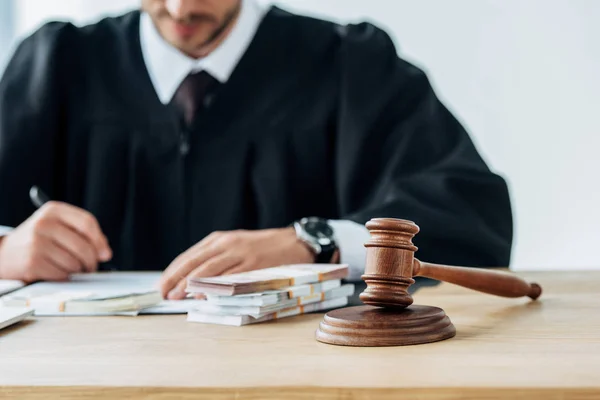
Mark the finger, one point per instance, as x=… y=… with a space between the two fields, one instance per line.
x=83 y=222
x=243 y=267
x=184 y=264
x=210 y=239
x=48 y=271
x=212 y=267
x=74 y=243
x=217 y=265
x=62 y=258
x=178 y=292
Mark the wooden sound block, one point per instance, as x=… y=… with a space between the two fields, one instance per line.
x=375 y=326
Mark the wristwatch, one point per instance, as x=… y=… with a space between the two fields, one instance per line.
x=319 y=236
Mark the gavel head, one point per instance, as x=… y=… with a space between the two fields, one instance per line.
x=389 y=265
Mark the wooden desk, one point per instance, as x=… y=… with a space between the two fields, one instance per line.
x=504 y=348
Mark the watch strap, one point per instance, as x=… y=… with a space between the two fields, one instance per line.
x=323 y=254
x=326 y=255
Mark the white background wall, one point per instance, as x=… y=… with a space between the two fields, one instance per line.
x=524 y=77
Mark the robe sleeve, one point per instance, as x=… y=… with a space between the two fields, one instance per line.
x=401 y=154
x=31 y=114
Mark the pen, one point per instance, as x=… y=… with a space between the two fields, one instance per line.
x=38 y=197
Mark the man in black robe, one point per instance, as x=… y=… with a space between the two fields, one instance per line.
x=191 y=136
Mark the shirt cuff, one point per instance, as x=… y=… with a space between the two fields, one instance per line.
x=351 y=238
x=5 y=230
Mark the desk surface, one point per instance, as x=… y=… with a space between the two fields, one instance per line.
x=504 y=348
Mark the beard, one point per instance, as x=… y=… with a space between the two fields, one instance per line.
x=229 y=18
x=227 y=21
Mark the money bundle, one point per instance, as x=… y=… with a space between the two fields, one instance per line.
x=268 y=294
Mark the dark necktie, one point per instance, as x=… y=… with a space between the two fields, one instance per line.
x=192 y=94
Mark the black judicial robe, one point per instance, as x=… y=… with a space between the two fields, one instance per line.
x=316 y=120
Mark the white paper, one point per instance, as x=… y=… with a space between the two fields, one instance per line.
x=7 y=286
x=172 y=307
x=10 y=316
x=103 y=285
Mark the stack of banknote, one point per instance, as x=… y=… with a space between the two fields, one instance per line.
x=269 y=294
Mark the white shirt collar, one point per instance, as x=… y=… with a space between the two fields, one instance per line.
x=168 y=67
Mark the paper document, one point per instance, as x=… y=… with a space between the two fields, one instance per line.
x=110 y=293
x=7 y=286
x=10 y=316
x=172 y=307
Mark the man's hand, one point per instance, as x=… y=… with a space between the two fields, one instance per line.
x=55 y=242
x=223 y=253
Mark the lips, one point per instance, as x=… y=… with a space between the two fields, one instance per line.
x=184 y=30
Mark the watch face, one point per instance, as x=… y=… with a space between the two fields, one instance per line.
x=318 y=229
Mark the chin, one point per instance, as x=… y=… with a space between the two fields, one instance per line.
x=189 y=46
x=179 y=40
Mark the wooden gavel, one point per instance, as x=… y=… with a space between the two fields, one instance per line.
x=391 y=267
x=389 y=318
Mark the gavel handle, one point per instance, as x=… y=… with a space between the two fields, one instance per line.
x=483 y=280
